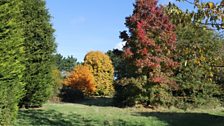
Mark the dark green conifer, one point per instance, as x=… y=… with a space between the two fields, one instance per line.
x=39 y=49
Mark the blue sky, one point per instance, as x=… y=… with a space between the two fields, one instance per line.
x=86 y=25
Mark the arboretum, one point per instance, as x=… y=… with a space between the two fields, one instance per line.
x=169 y=72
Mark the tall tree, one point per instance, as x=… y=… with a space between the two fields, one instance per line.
x=151 y=42
x=39 y=49
x=11 y=59
x=150 y=46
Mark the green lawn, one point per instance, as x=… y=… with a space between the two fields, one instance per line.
x=93 y=114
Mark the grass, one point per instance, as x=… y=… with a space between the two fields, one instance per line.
x=100 y=113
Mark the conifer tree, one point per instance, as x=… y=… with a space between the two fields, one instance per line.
x=11 y=60
x=39 y=49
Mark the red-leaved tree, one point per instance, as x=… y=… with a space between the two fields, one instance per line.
x=149 y=50
x=150 y=42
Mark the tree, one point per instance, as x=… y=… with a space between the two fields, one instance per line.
x=11 y=60
x=150 y=46
x=103 y=72
x=205 y=13
x=65 y=63
x=198 y=53
x=82 y=79
x=39 y=48
x=57 y=83
x=121 y=68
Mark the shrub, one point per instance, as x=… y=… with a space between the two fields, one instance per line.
x=128 y=91
x=82 y=79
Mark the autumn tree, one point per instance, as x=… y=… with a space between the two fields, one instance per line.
x=150 y=45
x=103 y=72
x=82 y=79
x=205 y=14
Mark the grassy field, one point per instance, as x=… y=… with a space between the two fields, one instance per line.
x=100 y=113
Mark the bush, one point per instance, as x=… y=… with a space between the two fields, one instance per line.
x=68 y=94
x=82 y=79
x=128 y=91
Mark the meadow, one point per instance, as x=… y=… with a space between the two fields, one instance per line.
x=99 y=112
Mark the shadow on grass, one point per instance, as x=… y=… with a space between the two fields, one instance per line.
x=186 y=119
x=51 y=118
x=69 y=95
x=97 y=101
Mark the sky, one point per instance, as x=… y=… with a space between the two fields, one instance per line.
x=89 y=25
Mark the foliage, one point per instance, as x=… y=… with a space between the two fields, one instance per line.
x=150 y=46
x=103 y=71
x=204 y=13
x=198 y=54
x=121 y=66
x=151 y=42
x=39 y=48
x=65 y=63
x=81 y=78
x=57 y=84
x=70 y=95
x=11 y=60
x=128 y=91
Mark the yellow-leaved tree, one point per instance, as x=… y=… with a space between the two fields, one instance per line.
x=81 y=78
x=103 y=72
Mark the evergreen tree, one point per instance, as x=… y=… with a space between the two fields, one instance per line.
x=39 y=49
x=11 y=58
x=122 y=68
x=65 y=63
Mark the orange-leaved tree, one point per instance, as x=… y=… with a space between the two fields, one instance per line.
x=81 y=78
x=103 y=71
